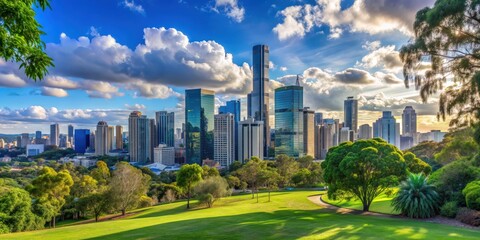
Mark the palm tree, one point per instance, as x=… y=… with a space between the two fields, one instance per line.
x=416 y=198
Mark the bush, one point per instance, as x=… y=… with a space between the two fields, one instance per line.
x=207 y=199
x=468 y=216
x=449 y=209
x=145 y=201
x=472 y=195
x=216 y=187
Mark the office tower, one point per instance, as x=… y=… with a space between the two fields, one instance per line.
x=139 y=139
x=345 y=134
x=318 y=118
x=164 y=155
x=406 y=142
x=2 y=143
x=101 y=139
x=224 y=139
x=38 y=137
x=350 y=108
x=326 y=135
x=166 y=127
x=289 y=121
x=409 y=122
x=110 y=138
x=153 y=136
x=24 y=140
x=70 y=134
x=258 y=99
x=82 y=140
x=63 y=141
x=54 y=134
x=387 y=128
x=119 y=137
x=199 y=111
x=34 y=149
x=92 y=141
x=365 y=131
x=250 y=139
x=308 y=132
x=234 y=108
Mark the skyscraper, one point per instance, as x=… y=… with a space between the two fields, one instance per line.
x=110 y=138
x=365 y=131
x=318 y=118
x=139 y=139
x=101 y=138
x=199 y=123
x=24 y=140
x=38 y=135
x=258 y=99
x=224 y=139
x=92 y=140
x=350 y=108
x=409 y=122
x=387 y=128
x=153 y=136
x=166 y=128
x=289 y=121
x=308 y=132
x=234 y=108
x=119 y=137
x=54 y=134
x=82 y=140
x=70 y=134
x=250 y=139
x=326 y=137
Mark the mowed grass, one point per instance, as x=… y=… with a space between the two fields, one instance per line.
x=290 y=215
x=381 y=204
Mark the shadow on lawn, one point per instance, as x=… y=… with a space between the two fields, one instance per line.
x=281 y=224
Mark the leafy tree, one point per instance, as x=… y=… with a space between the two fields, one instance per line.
x=15 y=211
x=235 y=166
x=187 y=177
x=269 y=178
x=286 y=167
x=20 y=36
x=472 y=195
x=448 y=35
x=49 y=190
x=251 y=173
x=365 y=168
x=305 y=162
x=162 y=190
x=416 y=165
x=209 y=172
x=212 y=189
x=97 y=203
x=101 y=173
x=233 y=181
x=416 y=198
x=302 y=177
x=459 y=144
x=127 y=186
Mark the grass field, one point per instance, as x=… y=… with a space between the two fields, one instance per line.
x=290 y=215
x=381 y=204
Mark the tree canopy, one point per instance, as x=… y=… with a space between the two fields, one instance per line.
x=187 y=177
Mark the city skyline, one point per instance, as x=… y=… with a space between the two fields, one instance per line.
x=346 y=60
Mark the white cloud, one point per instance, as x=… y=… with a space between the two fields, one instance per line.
x=133 y=7
x=54 y=92
x=231 y=9
x=11 y=80
x=283 y=69
x=384 y=57
x=135 y=107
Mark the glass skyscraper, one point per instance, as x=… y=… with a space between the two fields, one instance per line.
x=258 y=99
x=139 y=138
x=289 y=121
x=82 y=140
x=199 y=121
x=350 y=108
x=166 y=128
x=233 y=107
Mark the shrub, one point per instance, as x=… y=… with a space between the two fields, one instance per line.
x=216 y=187
x=472 y=195
x=145 y=201
x=416 y=198
x=449 y=209
x=207 y=199
x=468 y=216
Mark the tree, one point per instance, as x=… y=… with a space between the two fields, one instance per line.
x=209 y=172
x=448 y=34
x=472 y=195
x=212 y=189
x=302 y=177
x=187 y=177
x=20 y=36
x=49 y=190
x=416 y=198
x=416 y=165
x=286 y=167
x=101 y=173
x=15 y=211
x=251 y=173
x=458 y=144
x=269 y=178
x=127 y=186
x=235 y=166
x=97 y=203
x=365 y=168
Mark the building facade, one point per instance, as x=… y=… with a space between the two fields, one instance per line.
x=350 y=108
x=387 y=128
x=55 y=135
x=365 y=131
x=409 y=122
x=139 y=139
x=233 y=107
x=309 y=132
x=118 y=137
x=224 y=139
x=82 y=140
x=164 y=155
x=250 y=139
x=101 y=139
x=166 y=127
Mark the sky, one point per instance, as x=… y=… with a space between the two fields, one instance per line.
x=115 y=56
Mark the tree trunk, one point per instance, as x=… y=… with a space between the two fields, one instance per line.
x=366 y=207
x=253 y=193
x=53 y=221
x=269 y=195
x=124 y=211
x=257 y=195
x=96 y=217
x=188 y=199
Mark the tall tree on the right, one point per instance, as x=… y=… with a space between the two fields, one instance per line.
x=445 y=56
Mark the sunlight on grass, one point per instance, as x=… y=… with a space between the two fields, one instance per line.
x=381 y=204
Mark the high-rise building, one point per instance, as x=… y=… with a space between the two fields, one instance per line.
x=166 y=127
x=308 y=132
x=224 y=139
x=82 y=140
x=326 y=137
x=409 y=122
x=2 y=143
x=387 y=128
x=101 y=139
x=119 y=137
x=350 y=108
x=258 y=99
x=318 y=118
x=153 y=136
x=92 y=141
x=234 y=108
x=199 y=121
x=164 y=155
x=110 y=138
x=250 y=139
x=139 y=139
x=345 y=133
x=70 y=134
x=38 y=135
x=24 y=140
x=55 y=135
x=289 y=121
x=365 y=131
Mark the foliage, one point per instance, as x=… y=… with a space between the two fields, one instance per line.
x=56 y=154
x=468 y=216
x=302 y=177
x=212 y=189
x=251 y=173
x=472 y=195
x=164 y=192
x=449 y=209
x=101 y=173
x=145 y=201
x=97 y=203
x=127 y=186
x=15 y=211
x=209 y=172
x=416 y=198
x=365 y=168
x=269 y=178
x=187 y=177
x=235 y=166
x=286 y=167
x=448 y=35
x=416 y=165
x=458 y=144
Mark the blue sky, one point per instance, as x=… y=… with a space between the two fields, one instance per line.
x=113 y=57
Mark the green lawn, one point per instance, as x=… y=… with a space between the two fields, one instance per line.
x=290 y=215
x=381 y=204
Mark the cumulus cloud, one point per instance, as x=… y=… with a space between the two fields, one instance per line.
x=11 y=80
x=54 y=92
x=369 y=16
x=384 y=57
x=381 y=102
x=147 y=90
x=135 y=107
x=131 y=5
x=231 y=9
